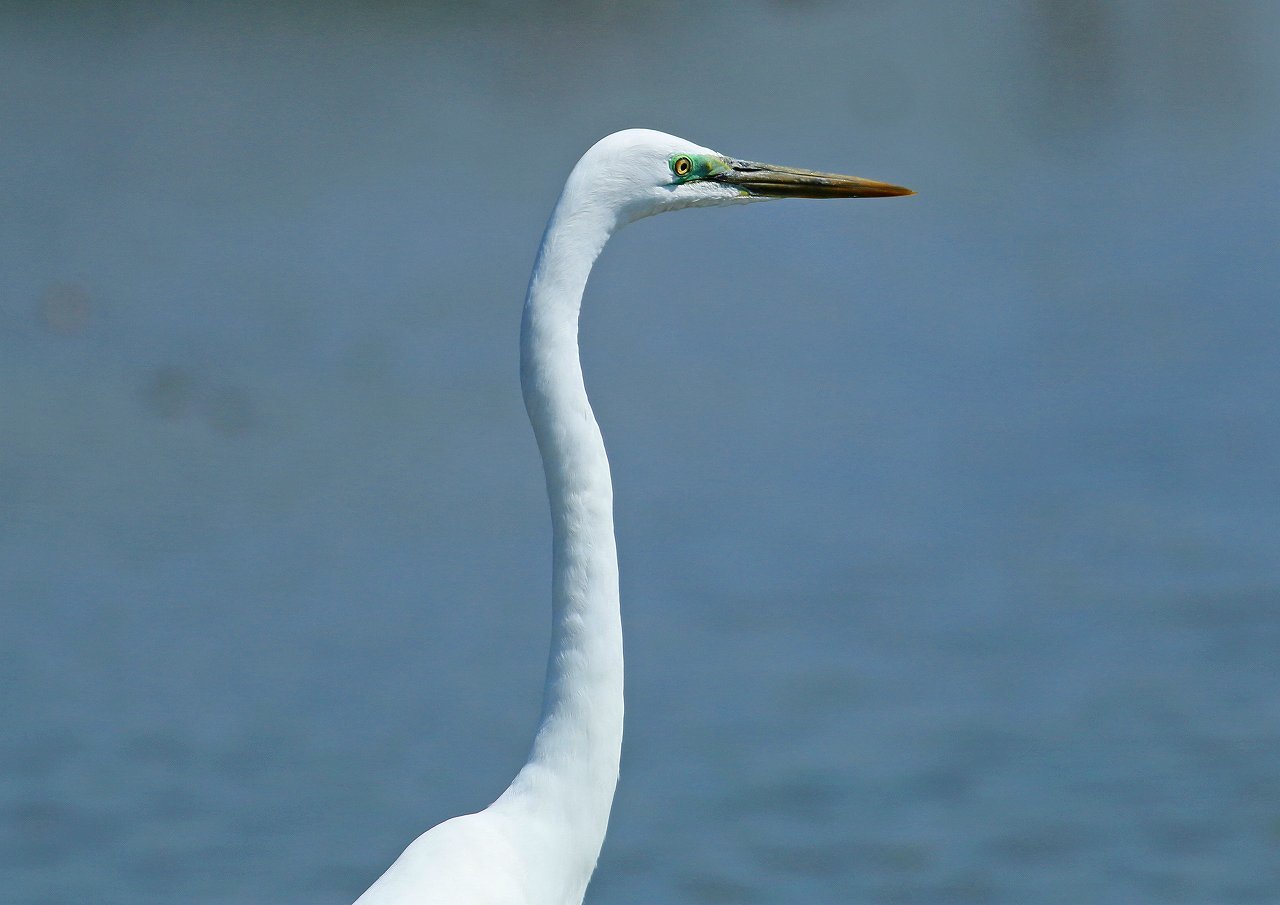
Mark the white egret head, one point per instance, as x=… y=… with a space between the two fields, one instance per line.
x=639 y=172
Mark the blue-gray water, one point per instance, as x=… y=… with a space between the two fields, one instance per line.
x=949 y=526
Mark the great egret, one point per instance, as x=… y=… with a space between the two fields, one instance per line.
x=538 y=843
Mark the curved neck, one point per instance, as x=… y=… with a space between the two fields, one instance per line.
x=572 y=771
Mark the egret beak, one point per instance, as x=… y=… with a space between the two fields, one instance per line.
x=785 y=182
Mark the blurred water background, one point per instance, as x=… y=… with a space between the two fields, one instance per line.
x=949 y=526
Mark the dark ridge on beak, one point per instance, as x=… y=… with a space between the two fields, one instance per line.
x=772 y=181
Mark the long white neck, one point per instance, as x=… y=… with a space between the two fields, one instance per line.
x=568 y=784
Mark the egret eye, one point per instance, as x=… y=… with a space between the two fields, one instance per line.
x=682 y=166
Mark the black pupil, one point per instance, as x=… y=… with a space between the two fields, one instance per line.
x=682 y=165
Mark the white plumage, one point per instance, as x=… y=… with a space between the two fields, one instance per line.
x=538 y=843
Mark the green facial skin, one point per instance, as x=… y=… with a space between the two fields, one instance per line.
x=703 y=166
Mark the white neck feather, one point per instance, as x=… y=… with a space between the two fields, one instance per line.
x=567 y=786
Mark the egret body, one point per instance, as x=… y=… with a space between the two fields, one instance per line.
x=538 y=843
